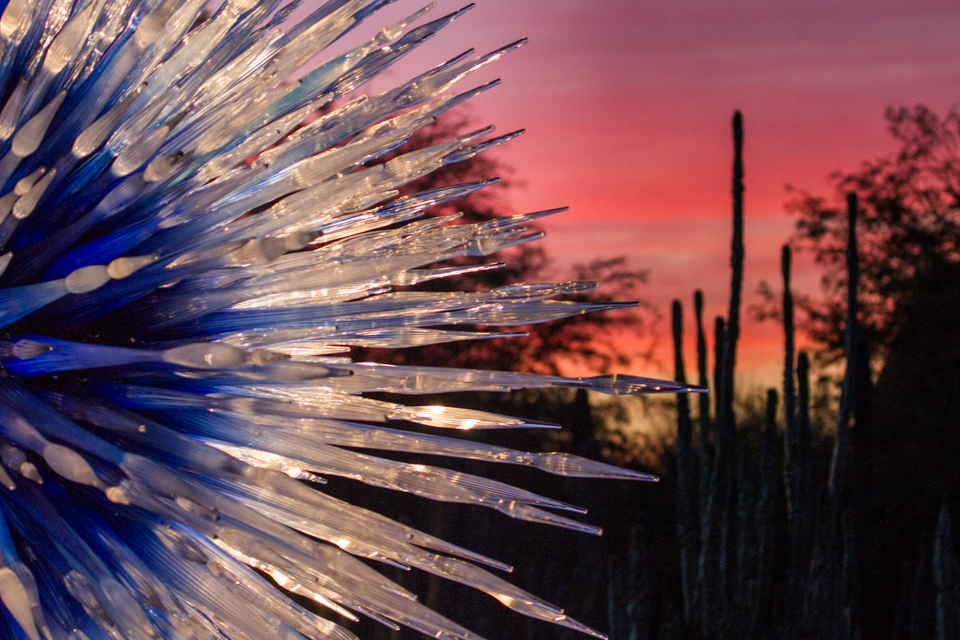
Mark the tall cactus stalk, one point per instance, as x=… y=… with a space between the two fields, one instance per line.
x=945 y=578
x=719 y=340
x=848 y=613
x=841 y=449
x=834 y=591
x=789 y=394
x=618 y=623
x=736 y=278
x=718 y=552
x=687 y=528
x=802 y=460
x=727 y=361
x=706 y=437
x=766 y=518
x=796 y=476
x=640 y=608
x=706 y=440
x=727 y=434
x=706 y=450
x=872 y=575
x=801 y=515
x=744 y=538
x=711 y=571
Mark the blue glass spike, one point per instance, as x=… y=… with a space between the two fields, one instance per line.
x=282 y=14
x=89 y=98
x=60 y=610
x=176 y=448
x=39 y=355
x=82 y=309
x=17 y=302
x=55 y=425
x=103 y=249
x=316 y=16
x=32 y=259
x=117 y=606
x=7 y=548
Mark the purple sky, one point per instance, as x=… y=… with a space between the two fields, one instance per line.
x=627 y=105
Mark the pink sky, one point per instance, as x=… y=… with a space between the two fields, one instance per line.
x=627 y=106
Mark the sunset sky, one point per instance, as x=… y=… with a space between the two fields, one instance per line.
x=627 y=106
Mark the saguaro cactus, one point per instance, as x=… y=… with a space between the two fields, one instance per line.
x=686 y=479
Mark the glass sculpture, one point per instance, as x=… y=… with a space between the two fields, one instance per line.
x=158 y=186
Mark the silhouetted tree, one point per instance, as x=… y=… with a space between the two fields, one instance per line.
x=908 y=227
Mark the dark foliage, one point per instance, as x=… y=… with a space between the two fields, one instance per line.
x=908 y=227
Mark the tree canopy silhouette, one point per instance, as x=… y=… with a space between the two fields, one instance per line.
x=908 y=227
